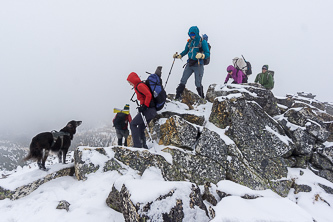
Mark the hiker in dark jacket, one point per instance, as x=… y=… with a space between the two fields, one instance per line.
x=194 y=63
x=237 y=74
x=120 y=122
x=146 y=108
x=265 y=78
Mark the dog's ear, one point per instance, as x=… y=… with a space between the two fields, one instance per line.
x=69 y=125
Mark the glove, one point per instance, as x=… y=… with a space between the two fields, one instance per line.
x=200 y=55
x=177 y=56
x=142 y=108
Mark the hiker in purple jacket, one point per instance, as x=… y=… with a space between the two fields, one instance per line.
x=237 y=75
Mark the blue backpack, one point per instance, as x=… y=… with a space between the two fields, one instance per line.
x=154 y=83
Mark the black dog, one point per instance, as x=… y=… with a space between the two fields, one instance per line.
x=52 y=141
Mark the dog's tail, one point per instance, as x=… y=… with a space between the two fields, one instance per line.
x=27 y=157
x=32 y=152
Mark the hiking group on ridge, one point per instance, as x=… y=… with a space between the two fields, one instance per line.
x=151 y=95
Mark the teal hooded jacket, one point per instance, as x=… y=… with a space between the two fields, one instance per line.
x=192 y=46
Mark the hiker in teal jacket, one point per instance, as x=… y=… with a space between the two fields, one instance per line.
x=265 y=78
x=195 y=62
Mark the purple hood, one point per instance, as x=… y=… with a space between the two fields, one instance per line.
x=238 y=77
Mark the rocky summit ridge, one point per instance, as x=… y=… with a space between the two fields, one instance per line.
x=238 y=133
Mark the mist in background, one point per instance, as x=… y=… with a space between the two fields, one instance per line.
x=63 y=59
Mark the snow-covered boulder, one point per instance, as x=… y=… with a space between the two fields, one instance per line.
x=250 y=92
x=89 y=159
x=167 y=201
x=185 y=166
x=260 y=142
x=18 y=186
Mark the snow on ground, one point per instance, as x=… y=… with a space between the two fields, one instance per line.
x=87 y=198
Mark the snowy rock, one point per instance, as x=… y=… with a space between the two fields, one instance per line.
x=192 y=99
x=63 y=204
x=301 y=188
x=85 y=165
x=287 y=101
x=317 y=131
x=212 y=146
x=250 y=92
x=322 y=163
x=5 y=193
x=172 y=204
x=208 y=196
x=260 y=142
x=26 y=189
x=304 y=142
x=198 y=169
x=329 y=108
x=176 y=131
x=81 y=166
x=327 y=189
x=197 y=120
x=185 y=166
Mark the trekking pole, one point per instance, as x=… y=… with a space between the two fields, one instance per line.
x=136 y=101
x=147 y=127
x=170 y=71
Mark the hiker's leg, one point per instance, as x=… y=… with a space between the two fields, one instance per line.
x=186 y=74
x=198 y=74
x=120 y=137
x=136 y=126
x=126 y=133
x=149 y=114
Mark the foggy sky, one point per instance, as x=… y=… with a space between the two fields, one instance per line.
x=64 y=59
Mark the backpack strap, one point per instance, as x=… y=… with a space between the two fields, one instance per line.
x=136 y=87
x=199 y=46
x=151 y=103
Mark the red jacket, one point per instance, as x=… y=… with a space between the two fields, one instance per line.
x=144 y=95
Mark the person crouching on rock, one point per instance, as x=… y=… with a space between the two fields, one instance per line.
x=146 y=108
x=236 y=74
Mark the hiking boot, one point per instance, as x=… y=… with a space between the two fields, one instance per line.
x=200 y=92
x=179 y=91
x=120 y=142
x=179 y=99
x=144 y=144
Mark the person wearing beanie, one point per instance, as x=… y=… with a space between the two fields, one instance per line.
x=126 y=107
x=146 y=108
x=265 y=78
x=237 y=75
x=120 y=122
x=195 y=62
